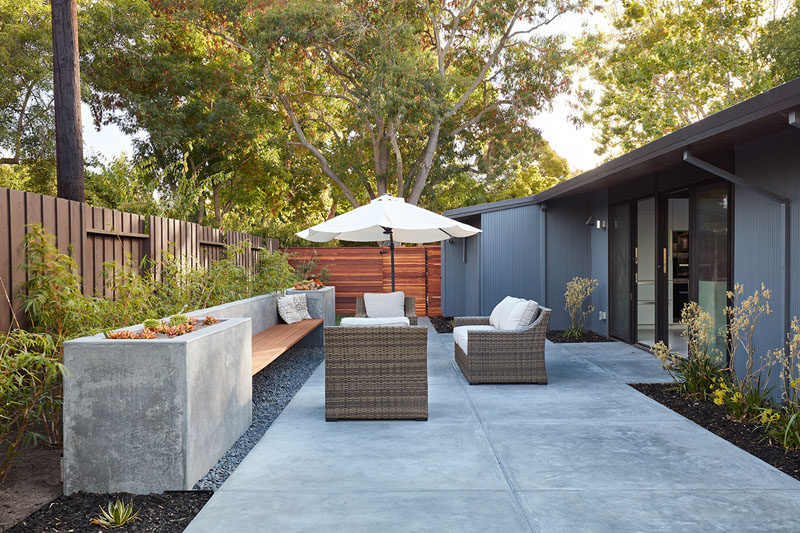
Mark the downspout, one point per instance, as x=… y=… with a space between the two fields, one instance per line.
x=543 y=255
x=785 y=204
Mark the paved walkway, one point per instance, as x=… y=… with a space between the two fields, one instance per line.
x=583 y=453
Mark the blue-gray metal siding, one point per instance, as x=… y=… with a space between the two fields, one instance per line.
x=599 y=264
x=772 y=163
x=568 y=251
x=511 y=255
x=460 y=278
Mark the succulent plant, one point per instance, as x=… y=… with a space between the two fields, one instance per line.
x=178 y=320
x=152 y=323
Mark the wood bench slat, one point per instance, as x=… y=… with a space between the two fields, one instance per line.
x=269 y=344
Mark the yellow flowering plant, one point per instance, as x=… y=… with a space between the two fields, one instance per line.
x=785 y=426
x=578 y=290
x=695 y=374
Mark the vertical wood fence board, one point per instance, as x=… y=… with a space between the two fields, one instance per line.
x=93 y=236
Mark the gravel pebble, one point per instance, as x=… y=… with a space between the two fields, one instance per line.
x=273 y=389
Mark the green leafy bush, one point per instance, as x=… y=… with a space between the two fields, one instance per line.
x=30 y=393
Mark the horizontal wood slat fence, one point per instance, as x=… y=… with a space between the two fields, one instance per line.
x=93 y=236
x=355 y=271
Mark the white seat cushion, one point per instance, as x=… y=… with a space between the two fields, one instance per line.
x=353 y=321
x=293 y=308
x=460 y=334
x=501 y=310
x=384 y=304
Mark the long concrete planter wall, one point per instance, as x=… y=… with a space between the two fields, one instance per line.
x=146 y=416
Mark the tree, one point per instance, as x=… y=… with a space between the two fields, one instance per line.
x=668 y=63
x=26 y=61
x=373 y=89
x=779 y=46
x=67 y=100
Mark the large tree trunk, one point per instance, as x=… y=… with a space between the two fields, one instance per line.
x=67 y=99
x=380 y=153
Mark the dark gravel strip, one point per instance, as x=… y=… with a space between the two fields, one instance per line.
x=273 y=389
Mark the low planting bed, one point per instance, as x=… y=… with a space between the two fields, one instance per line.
x=558 y=336
x=750 y=437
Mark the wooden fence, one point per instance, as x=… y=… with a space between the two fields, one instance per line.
x=355 y=271
x=93 y=236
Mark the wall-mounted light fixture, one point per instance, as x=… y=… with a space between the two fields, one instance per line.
x=600 y=224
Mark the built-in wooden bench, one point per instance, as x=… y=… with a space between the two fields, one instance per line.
x=272 y=342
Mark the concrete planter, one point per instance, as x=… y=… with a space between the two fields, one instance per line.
x=146 y=416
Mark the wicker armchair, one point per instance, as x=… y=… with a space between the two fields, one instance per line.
x=504 y=356
x=410 y=309
x=376 y=373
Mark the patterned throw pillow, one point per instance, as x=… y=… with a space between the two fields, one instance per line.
x=293 y=308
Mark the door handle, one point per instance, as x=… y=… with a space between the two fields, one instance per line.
x=664 y=260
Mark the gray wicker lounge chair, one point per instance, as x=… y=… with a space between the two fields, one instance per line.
x=504 y=356
x=376 y=373
x=410 y=309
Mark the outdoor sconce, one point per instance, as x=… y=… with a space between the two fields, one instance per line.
x=600 y=224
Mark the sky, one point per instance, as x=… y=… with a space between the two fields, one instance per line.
x=572 y=143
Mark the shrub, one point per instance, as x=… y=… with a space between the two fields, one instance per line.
x=153 y=323
x=578 y=290
x=116 y=514
x=784 y=426
x=696 y=374
x=30 y=393
x=52 y=297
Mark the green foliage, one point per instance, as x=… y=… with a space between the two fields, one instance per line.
x=308 y=270
x=116 y=514
x=52 y=296
x=779 y=46
x=178 y=320
x=152 y=323
x=783 y=426
x=393 y=96
x=273 y=272
x=30 y=393
x=26 y=113
x=664 y=65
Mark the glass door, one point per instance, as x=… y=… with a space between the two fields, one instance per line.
x=710 y=265
x=646 y=269
x=620 y=293
x=677 y=241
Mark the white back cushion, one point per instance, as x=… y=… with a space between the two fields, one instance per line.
x=519 y=316
x=501 y=310
x=529 y=314
x=384 y=304
x=356 y=321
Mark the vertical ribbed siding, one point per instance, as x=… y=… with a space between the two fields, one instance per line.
x=599 y=259
x=511 y=255
x=568 y=251
x=460 y=277
x=772 y=163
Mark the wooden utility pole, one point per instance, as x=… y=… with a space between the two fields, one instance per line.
x=67 y=100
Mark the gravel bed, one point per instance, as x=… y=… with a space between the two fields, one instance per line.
x=273 y=389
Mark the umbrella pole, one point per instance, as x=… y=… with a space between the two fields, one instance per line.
x=391 y=248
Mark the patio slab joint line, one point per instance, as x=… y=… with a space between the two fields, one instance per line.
x=485 y=432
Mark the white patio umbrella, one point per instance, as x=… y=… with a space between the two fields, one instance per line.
x=388 y=218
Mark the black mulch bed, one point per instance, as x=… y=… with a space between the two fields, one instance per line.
x=442 y=324
x=165 y=513
x=745 y=435
x=588 y=336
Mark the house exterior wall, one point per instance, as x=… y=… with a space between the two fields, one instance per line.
x=568 y=251
x=599 y=262
x=461 y=276
x=511 y=256
x=772 y=163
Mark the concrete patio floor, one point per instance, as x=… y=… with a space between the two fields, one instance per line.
x=584 y=453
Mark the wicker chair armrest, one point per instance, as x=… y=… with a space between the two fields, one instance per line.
x=410 y=307
x=471 y=321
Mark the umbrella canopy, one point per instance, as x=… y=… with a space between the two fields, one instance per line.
x=370 y=222
x=388 y=218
